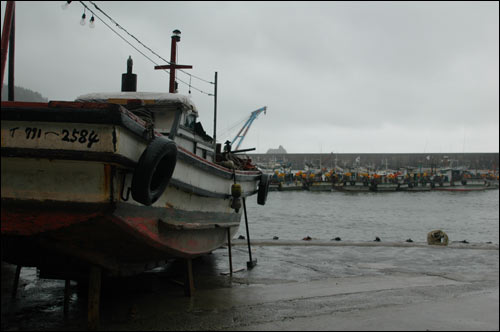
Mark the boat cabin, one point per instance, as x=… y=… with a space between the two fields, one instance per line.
x=170 y=114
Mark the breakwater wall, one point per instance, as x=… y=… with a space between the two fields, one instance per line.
x=380 y=160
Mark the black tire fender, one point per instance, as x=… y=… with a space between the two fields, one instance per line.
x=154 y=170
x=263 y=189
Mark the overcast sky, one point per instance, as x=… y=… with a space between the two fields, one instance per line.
x=344 y=77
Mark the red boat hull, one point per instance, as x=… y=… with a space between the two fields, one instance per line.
x=122 y=239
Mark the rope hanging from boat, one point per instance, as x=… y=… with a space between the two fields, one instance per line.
x=144 y=114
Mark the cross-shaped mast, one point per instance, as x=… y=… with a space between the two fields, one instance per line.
x=176 y=37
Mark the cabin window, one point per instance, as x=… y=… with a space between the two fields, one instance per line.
x=190 y=121
x=164 y=122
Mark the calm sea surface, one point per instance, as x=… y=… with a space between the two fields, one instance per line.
x=471 y=216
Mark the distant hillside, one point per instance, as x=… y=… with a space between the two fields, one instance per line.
x=22 y=94
x=279 y=150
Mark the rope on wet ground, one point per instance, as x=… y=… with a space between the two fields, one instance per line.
x=312 y=242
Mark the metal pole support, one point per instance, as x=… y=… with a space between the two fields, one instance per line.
x=251 y=263
x=229 y=251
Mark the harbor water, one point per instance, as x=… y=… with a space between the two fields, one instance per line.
x=471 y=216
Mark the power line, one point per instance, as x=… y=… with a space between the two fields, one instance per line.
x=117 y=33
x=232 y=127
x=145 y=46
x=151 y=60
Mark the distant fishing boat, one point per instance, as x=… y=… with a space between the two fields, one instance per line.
x=385 y=187
x=320 y=186
x=450 y=179
x=352 y=186
x=492 y=183
x=353 y=182
x=415 y=186
x=290 y=186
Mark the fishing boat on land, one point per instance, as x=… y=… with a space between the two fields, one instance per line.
x=122 y=181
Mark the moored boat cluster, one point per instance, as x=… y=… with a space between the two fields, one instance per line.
x=360 y=180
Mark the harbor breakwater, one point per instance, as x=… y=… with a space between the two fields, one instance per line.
x=484 y=160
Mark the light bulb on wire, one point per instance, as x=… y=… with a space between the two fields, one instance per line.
x=82 y=21
x=92 y=22
x=65 y=5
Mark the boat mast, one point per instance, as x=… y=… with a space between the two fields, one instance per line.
x=8 y=38
x=172 y=66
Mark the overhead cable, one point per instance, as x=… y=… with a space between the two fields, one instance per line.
x=145 y=46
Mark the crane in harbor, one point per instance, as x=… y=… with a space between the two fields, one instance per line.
x=246 y=126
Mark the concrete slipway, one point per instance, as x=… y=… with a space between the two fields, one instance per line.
x=296 y=285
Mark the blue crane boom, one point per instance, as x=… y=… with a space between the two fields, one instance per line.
x=247 y=125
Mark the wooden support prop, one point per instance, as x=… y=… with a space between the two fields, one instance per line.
x=16 y=281
x=189 y=284
x=67 y=285
x=94 y=298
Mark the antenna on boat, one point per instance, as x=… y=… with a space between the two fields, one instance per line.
x=215 y=117
x=172 y=66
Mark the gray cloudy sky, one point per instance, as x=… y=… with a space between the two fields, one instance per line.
x=345 y=77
